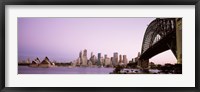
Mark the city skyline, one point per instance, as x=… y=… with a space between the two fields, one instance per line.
x=62 y=39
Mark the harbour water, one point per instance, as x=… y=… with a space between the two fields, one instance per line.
x=63 y=70
x=75 y=70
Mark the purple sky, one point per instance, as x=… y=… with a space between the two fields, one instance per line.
x=62 y=39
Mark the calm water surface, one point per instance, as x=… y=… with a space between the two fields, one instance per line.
x=63 y=70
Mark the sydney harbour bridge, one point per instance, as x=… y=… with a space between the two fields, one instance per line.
x=162 y=34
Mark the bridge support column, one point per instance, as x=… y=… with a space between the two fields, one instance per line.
x=144 y=64
x=179 y=40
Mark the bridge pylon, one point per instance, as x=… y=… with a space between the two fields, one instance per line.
x=179 y=40
x=144 y=64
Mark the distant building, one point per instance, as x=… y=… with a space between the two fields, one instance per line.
x=105 y=56
x=115 y=59
x=80 y=57
x=107 y=61
x=83 y=58
x=99 y=59
x=120 y=58
x=91 y=54
x=35 y=63
x=89 y=63
x=37 y=60
x=104 y=59
x=125 y=60
x=45 y=61
x=85 y=53
x=93 y=59
x=139 y=63
x=78 y=62
x=111 y=60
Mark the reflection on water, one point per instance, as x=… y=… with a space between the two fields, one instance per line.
x=63 y=70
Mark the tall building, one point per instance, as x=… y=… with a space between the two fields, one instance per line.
x=111 y=60
x=85 y=52
x=80 y=54
x=91 y=54
x=104 y=61
x=99 y=59
x=120 y=58
x=139 y=62
x=115 y=59
x=89 y=63
x=80 y=57
x=83 y=57
x=105 y=56
x=107 y=61
x=93 y=59
x=125 y=60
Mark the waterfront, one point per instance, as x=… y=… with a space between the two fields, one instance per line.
x=78 y=70
x=97 y=51
x=63 y=70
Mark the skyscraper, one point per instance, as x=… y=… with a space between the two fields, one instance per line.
x=83 y=58
x=105 y=56
x=115 y=59
x=91 y=54
x=120 y=58
x=93 y=59
x=139 y=62
x=104 y=61
x=80 y=57
x=80 y=54
x=107 y=61
x=89 y=63
x=85 y=52
x=111 y=60
x=99 y=59
x=125 y=60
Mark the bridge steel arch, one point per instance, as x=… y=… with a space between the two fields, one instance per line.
x=161 y=35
